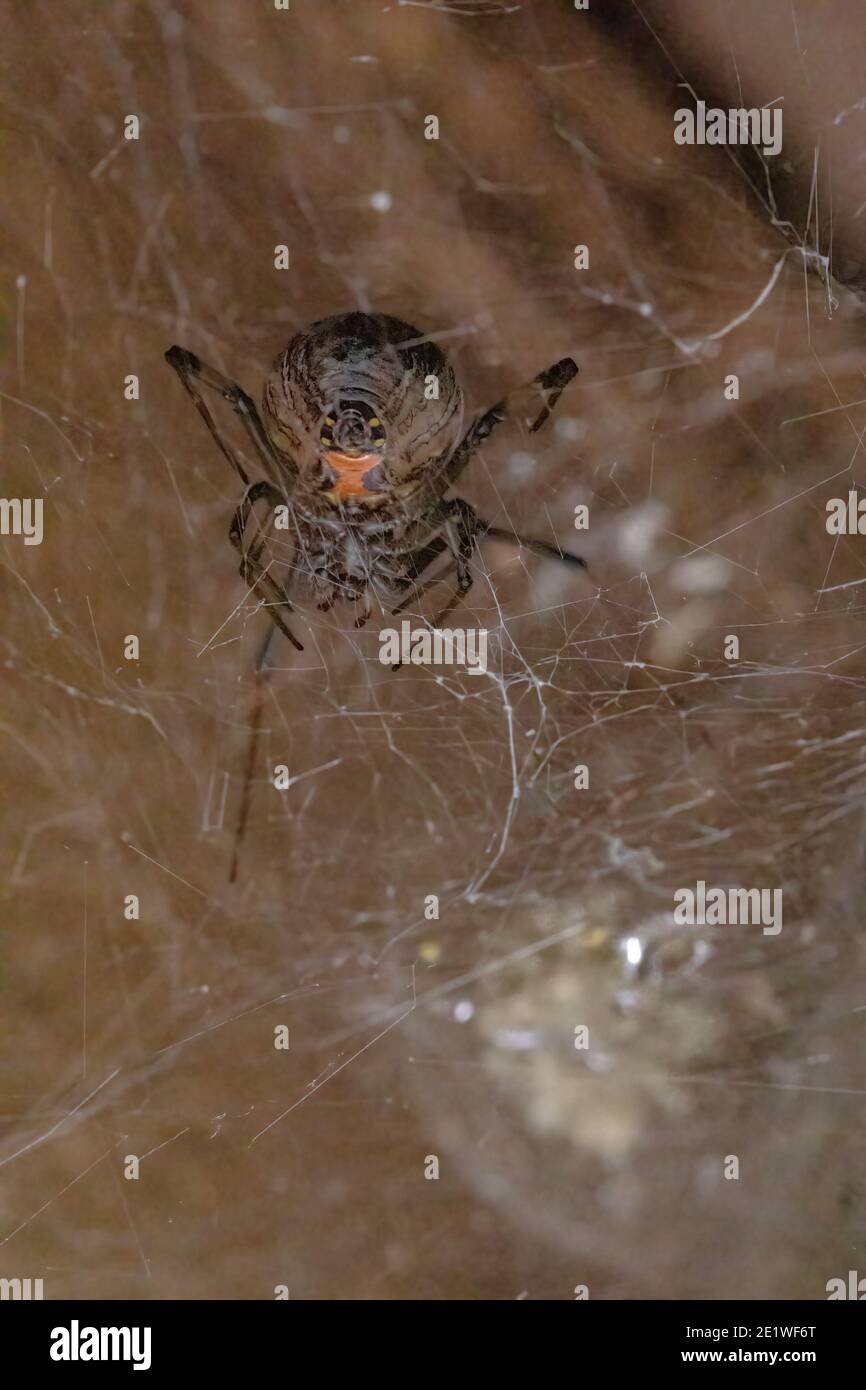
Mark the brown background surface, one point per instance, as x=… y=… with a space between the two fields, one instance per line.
x=155 y=1037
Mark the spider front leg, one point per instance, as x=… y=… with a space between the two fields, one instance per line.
x=272 y=594
x=192 y=370
x=547 y=387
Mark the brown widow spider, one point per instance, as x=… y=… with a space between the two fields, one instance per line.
x=359 y=441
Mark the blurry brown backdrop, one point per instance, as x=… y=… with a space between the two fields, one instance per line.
x=451 y=1037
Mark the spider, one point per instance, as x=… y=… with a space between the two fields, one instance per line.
x=359 y=440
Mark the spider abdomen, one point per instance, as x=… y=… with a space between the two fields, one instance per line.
x=364 y=404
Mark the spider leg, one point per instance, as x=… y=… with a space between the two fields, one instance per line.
x=272 y=597
x=253 y=494
x=272 y=594
x=460 y=525
x=461 y=529
x=261 y=677
x=420 y=590
x=542 y=548
x=548 y=385
x=416 y=564
x=191 y=370
x=463 y=587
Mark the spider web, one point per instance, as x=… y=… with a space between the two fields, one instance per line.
x=411 y=1034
